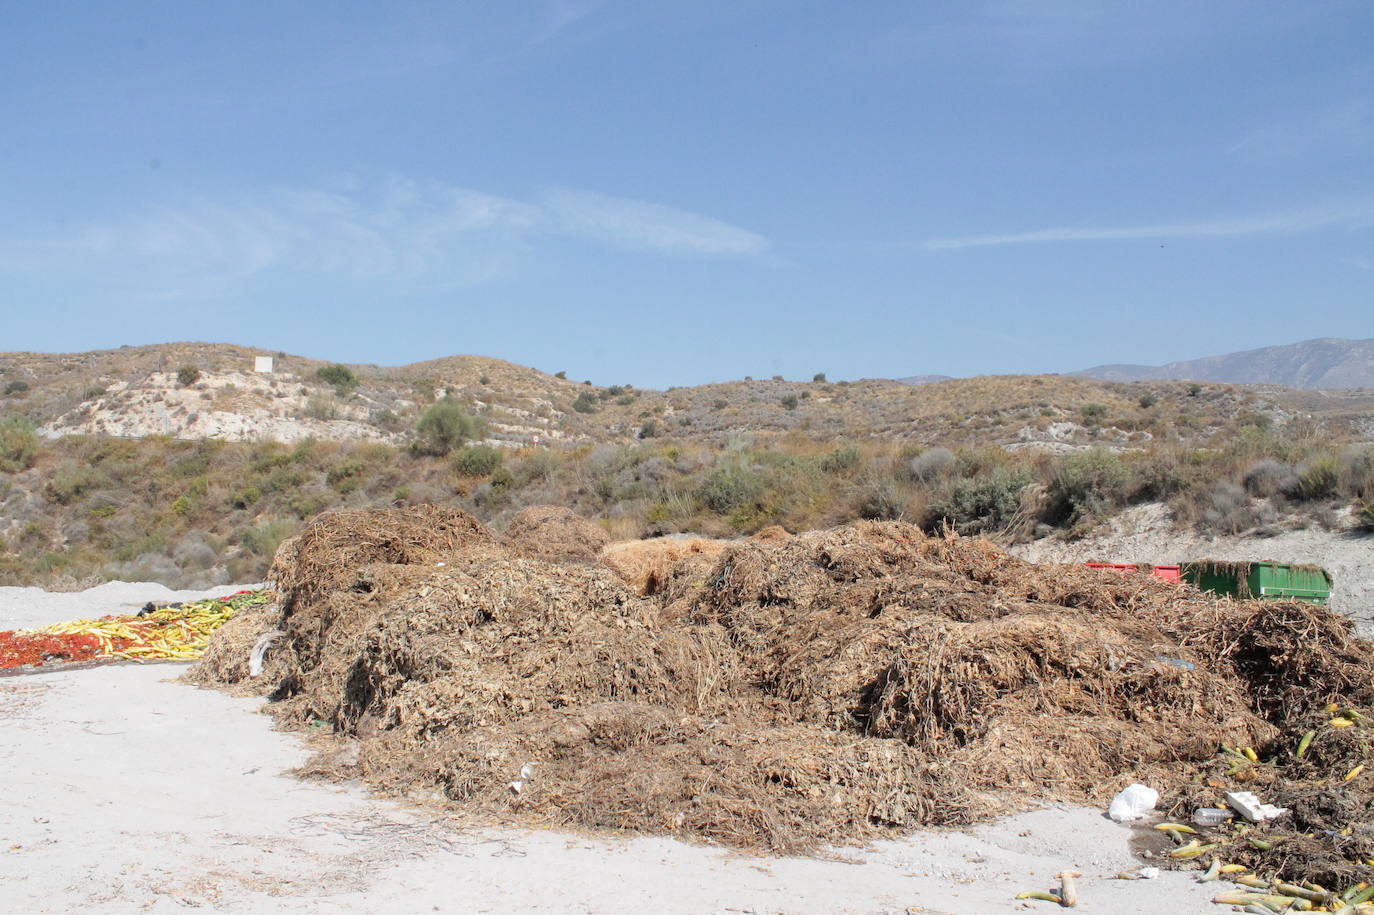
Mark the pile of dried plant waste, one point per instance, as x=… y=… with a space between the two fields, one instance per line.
x=785 y=692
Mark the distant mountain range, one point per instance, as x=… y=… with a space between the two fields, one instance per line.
x=1329 y=362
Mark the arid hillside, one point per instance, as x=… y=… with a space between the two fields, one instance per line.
x=181 y=464
x=210 y=391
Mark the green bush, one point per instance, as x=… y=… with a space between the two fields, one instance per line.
x=1093 y=414
x=245 y=497
x=307 y=505
x=585 y=402
x=340 y=376
x=187 y=375
x=18 y=444
x=478 y=460
x=988 y=502
x=71 y=481
x=730 y=486
x=789 y=402
x=344 y=476
x=819 y=377
x=444 y=426
x=264 y=539
x=283 y=479
x=1357 y=472
x=1318 y=477
x=1087 y=483
x=841 y=459
x=1147 y=401
x=16 y=387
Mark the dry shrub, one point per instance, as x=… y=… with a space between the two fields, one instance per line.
x=647 y=565
x=829 y=686
x=552 y=532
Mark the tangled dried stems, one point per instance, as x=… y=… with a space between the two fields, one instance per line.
x=776 y=693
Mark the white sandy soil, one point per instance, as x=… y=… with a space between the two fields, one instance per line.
x=126 y=791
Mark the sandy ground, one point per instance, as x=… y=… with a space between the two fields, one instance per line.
x=127 y=791
x=1144 y=534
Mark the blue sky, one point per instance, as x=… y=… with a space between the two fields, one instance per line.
x=674 y=193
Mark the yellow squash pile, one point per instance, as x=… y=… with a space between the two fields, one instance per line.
x=178 y=632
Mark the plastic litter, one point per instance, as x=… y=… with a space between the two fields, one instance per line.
x=1132 y=803
x=1211 y=816
x=1249 y=806
x=259 y=652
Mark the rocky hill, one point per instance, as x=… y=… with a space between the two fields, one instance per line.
x=199 y=391
x=1326 y=363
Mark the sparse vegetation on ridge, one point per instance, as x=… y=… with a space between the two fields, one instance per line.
x=87 y=508
x=1021 y=456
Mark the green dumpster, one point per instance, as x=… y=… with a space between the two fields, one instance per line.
x=1264 y=580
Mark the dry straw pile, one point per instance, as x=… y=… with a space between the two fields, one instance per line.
x=550 y=532
x=775 y=693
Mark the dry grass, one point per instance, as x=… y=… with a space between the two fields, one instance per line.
x=647 y=565
x=551 y=532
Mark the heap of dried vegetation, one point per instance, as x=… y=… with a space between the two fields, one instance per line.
x=780 y=692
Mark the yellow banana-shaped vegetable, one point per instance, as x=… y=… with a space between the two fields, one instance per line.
x=1250 y=754
x=1301 y=892
x=1192 y=849
x=1354 y=772
x=1176 y=827
x=1305 y=743
x=1039 y=894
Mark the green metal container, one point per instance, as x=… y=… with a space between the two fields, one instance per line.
x=1263 y=580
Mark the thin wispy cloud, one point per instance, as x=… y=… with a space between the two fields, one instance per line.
x=395 y=230
x=638 y=224
x=1297 y=221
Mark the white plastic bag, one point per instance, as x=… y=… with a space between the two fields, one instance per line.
x=1132 y=803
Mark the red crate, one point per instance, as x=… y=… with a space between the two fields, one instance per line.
x=1168 y=573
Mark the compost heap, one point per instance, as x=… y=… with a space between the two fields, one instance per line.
x=832 y=686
